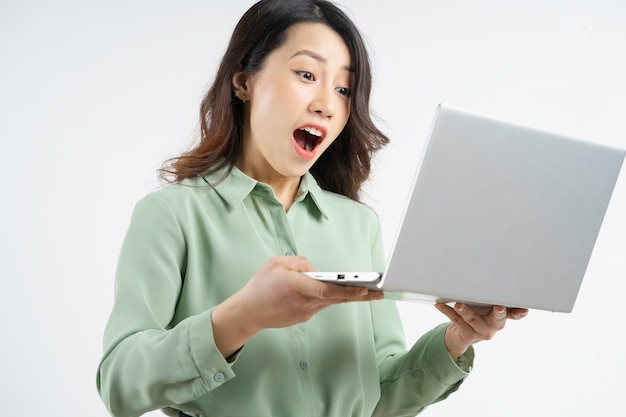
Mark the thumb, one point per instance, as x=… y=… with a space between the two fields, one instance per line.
x=299 y=264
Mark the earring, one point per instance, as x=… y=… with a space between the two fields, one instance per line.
x=243 y=98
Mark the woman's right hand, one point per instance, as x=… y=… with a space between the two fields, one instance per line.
x=277 y=295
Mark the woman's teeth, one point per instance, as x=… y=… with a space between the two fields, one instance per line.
x=308 y=137
x=313 y=131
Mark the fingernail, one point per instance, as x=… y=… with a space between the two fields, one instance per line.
x=460 y=308
x=500 y=310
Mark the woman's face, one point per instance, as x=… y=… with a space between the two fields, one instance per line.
x=297 y=105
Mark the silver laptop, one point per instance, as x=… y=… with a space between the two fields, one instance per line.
x=499 y=214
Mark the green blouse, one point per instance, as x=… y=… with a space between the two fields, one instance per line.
x=191 y=245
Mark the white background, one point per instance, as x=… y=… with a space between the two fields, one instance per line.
x=95 y=95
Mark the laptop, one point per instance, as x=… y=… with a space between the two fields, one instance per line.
x=498 y=214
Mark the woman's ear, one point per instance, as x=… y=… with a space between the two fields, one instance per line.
x=240 y=87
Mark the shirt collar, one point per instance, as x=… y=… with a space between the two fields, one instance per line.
x=235 y=186
x=310 y=187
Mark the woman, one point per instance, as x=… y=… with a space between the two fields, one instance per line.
x=212 y=316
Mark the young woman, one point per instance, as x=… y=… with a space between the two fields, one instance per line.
x=212 y=316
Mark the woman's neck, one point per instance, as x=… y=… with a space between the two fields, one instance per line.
x=285 y=188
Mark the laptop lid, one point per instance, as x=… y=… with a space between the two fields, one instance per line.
x=500 y=214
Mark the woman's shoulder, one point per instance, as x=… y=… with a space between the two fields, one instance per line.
x=345 y=206
x=176 y=194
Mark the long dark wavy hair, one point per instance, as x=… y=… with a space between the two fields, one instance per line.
x=346 y=164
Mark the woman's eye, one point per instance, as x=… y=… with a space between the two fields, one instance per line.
x=306 y=75
x=344 y=91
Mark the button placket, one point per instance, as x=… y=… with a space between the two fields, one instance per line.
x=284 y=237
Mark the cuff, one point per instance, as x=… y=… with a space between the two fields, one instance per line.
x=202 y=359
x=449 y=371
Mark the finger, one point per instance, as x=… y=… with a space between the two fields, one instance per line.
x=343 y=293
x=370 y=296
x=318 y=304
x=517 y=313
x=485 y=326
x=448 y=311
x=454 y=316
x=468 y=314
x=498 y=315
x=299 y=264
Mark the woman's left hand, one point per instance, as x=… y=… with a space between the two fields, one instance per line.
x=469 y=326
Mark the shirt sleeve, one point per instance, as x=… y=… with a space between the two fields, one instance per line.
x=147 y=364
x=426 y=374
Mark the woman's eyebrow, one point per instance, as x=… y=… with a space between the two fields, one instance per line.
x=317 y=57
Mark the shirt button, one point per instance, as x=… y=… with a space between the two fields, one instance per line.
x=218 y=377
x=304 y=364
x=290 y=253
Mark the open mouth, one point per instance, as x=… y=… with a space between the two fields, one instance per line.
x=308 y=138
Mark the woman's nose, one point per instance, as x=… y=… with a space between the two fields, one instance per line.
x=323 y=102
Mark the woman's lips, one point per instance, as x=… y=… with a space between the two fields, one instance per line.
x=307 y=139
